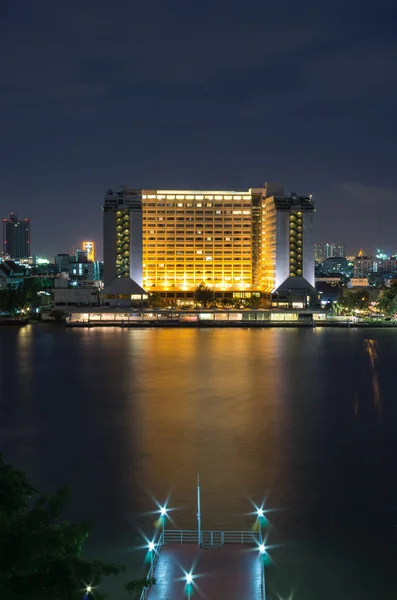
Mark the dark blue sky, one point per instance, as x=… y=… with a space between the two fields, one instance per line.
x=97 y=94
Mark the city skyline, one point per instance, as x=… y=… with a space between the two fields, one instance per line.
x=201 y=103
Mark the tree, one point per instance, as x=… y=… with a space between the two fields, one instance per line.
x=204 y=295
x=387 y=303
x=41 y=555
x=139 y=585
x=359 y=300
x=155 y=300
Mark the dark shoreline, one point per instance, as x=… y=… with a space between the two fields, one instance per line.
x=228 y=325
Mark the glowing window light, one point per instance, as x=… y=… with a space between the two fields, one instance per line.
x=199 y=197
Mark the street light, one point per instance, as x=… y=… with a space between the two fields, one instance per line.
x=262 y=553
x=163 y=511
x=189 y=583
x=88 y=590
x=151 y=546
x=260 y=512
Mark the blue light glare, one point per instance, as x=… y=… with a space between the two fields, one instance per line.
x=189 y=578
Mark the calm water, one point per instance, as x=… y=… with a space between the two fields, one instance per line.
x=306 y=418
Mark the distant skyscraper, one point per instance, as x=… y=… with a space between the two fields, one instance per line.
x=334 y=250
x=318 y=253
x=16 y=237
x=89 y=247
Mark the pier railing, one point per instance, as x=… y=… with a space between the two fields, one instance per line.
x=155 y=558
x=209 y=538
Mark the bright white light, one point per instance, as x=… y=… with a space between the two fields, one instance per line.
x=88 y=589
x=163 y=511
x=152 y=546
x=260 y=512
x=262 y=548
x=189 y=578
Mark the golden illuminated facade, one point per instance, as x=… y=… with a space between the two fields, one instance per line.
x=191 y=237
x=232 y=241
x=89 y=247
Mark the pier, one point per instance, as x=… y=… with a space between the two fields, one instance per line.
x=210 y=564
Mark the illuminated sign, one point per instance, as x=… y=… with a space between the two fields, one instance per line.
x=89 y=247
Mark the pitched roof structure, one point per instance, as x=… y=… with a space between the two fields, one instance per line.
x=123 y=286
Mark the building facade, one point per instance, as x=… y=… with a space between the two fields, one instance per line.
x=334 y=250
x=233 y=241
x=89 y=248
x=123 y=235
x=16 y=237
x=287 y=240
x=336 y=264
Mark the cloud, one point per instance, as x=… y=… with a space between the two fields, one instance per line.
x=380 y=197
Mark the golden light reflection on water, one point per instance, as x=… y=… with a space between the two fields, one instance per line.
x=205 y=407
x=372 y=351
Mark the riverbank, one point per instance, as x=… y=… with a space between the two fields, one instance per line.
x=228 y=324
x=10 y=322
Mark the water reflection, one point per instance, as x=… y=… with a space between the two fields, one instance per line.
x=125 y=415
x=371 y=347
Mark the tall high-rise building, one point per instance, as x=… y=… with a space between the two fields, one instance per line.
x=239 y=241
x=16 y=237
x=89 y=247
x=122 y=235
x=334 y=250
x=318 y=253
x=287 y=234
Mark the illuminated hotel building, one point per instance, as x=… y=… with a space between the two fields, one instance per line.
x=173 y=240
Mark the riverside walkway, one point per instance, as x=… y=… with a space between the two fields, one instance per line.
x=228 y=565
x=233 y=573
x=207 y=564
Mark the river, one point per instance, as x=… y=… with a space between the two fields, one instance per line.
x=306 y=419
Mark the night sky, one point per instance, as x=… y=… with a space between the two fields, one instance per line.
x=169 y=94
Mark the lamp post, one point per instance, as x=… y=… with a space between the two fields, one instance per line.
x=262 y=554
x=87 y=592
x=199 y=511
x=152 y=548
x=163 y=516
x=189 y=583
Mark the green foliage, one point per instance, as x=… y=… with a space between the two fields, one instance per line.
x=41 y=555
x=139 y=585
x=359 y=300
x=12 y=301
x=204 y=295
x=387 y=303
x=155 y=300
x=59 y=316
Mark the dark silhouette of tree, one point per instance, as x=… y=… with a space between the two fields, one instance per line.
x=204 y=295
x=387 y=303
x=41 y=555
